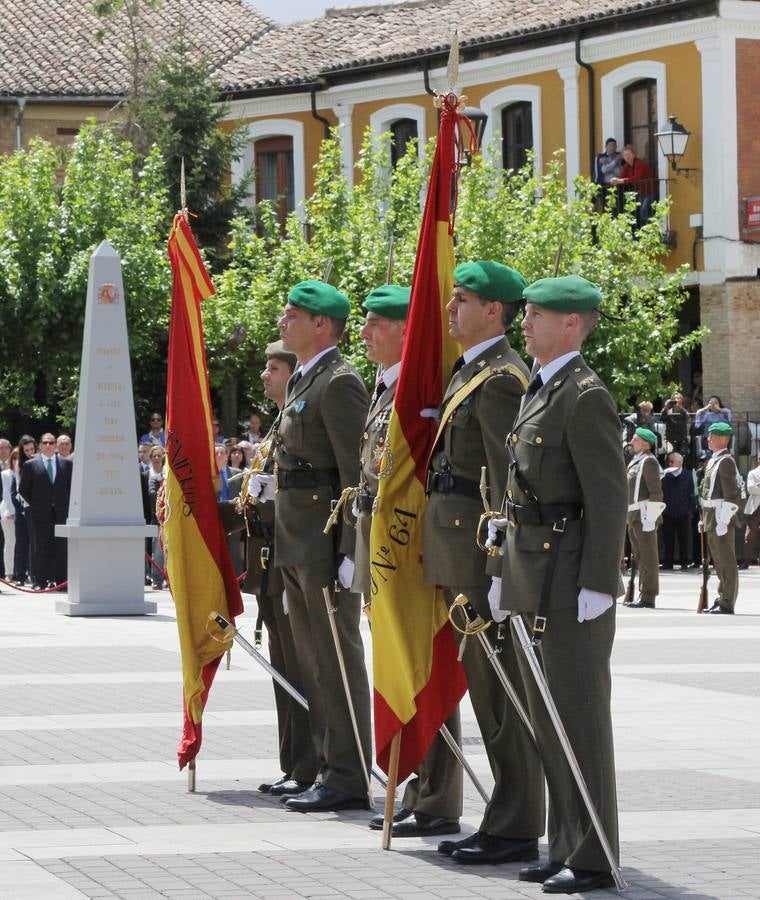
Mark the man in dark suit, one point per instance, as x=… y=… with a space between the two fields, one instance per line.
x=566 y=509
x=45 y=484
x=478 y=408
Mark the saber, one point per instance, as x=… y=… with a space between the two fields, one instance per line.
x=543 y=687
x=478 y=626
x=331 y=610
x=457 y=751
x=217 y=623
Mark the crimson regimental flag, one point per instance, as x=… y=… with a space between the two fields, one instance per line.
x=198 y=564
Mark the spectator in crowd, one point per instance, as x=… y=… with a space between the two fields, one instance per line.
x=680 y=502
x=247 y=449
x=227 y=493
x=22 y=556
x=709 y=415
x=607 y=165
x=5 y=453
x=642 y=418
x=676 y=418
x=253 y=434
x=45 y=485
x=64 y=446
x=155 y=480
x=236 y=458
x=8 y=514
x=752 y=515
x=218 y=436
x=637 y=176
x=156 y=433
x=143 y=454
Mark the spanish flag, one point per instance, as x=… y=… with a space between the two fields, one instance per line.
x=418 y=680
x=198 y=563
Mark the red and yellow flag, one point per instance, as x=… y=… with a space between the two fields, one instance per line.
x=417 y=678
x=200 y=572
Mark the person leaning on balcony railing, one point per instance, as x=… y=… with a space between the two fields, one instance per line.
x=676 y=418
x=638 y=176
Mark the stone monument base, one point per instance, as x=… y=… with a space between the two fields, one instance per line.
x=106 y=570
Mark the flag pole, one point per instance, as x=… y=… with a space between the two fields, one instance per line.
x=191 y=777
x=390 y=791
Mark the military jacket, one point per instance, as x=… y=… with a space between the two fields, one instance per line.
x=720 y=483
x=321 y=426
x=649 y=484
x=566 y=441
x=473 y=437
x=373 y=461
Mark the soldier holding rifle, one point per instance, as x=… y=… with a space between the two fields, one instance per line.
x=320 y=428
x=478 y=409
x=432 y=801
x=566 y=508
x=645 y=508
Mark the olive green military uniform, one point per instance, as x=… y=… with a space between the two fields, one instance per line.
x=436 y=789
x=720 y=483
x=644 y=484
x=321 y=426
x=473 y=437
x=566 y=443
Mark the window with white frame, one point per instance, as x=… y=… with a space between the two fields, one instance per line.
x=514 y=116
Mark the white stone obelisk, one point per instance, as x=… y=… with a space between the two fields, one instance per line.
x=106 y=527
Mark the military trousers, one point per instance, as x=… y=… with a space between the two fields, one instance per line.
x=331 y=729
x=516 y=807
x=722 y=549
x=644 y=550
x=298 y=757
x=436 y=787
x=576 y=661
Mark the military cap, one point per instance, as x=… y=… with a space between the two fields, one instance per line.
x=276 y=350
x=723 y=429
x=492 y=280
x=646 y=435
x=320 y=298
x=567 y=294
x=389 y=301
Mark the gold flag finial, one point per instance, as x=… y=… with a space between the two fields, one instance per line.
x=452 y=70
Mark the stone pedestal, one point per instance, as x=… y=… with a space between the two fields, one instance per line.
x=105 y=529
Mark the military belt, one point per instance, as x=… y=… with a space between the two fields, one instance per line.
x=364 y=502
x=544 y=514
x=446 y=483
x=305 y=478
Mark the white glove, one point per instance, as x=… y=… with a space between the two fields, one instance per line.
x=285 y=600
x=591 y=604
x=494 y=527
x=700 y=527
x=650 y=511
x=648 y=525
x=494 y=599
x=346 y=573
x=261 y=487
x=721 y=528
x=430 y=412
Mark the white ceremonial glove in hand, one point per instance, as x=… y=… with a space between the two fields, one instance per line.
x=591 y=604
x=721 y=528
x=494 y=527
x=649 y=524
x=700 y=528
x=261 y=487
x=346 y=572
x=430 y=412
x=494 y=599
x=285 y=600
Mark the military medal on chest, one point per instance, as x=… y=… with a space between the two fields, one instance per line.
x=381 y=452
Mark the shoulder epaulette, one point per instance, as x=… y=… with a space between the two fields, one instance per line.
x=590 y=381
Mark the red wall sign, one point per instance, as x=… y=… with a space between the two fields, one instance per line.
x=752 y=214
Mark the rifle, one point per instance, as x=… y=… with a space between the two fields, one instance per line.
x=702 y=605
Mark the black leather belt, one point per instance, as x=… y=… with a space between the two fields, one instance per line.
x=543 y=514
x=305 y=478
x=364 y=501
x=446 y=483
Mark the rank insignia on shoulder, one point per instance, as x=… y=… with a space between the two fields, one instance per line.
x=299 y=405
x=339 y=370
x=590 y=382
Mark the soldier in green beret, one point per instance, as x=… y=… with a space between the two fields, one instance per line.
x=719 y=498
x=645 y=509
x=315 y=458
x=566 y=508
x=432 y=801
x=478 y=408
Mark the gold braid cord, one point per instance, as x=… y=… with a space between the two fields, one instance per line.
x=244 y=502
x=343 y=503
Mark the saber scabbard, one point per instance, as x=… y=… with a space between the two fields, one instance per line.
x=543 y=687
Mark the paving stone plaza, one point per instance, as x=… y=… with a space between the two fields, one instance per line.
x=92 y=805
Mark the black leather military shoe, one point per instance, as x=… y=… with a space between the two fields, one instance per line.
x=641 y=603
x=490 y=849
x=448 y=847
x=720 y=610
x=572 y=881
x=419 y=825
x=288 y=787
x=266 y=787
x=320 y=798
x=376 y=822
x=539 y=873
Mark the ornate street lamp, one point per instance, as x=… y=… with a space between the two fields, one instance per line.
x=673 y=140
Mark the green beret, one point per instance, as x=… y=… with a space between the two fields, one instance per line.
x=491 y=280
x=646 y=435
x=276 y=350
x=389 y=301
x=320 y=298
x=721 y=428
x=567 y=294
